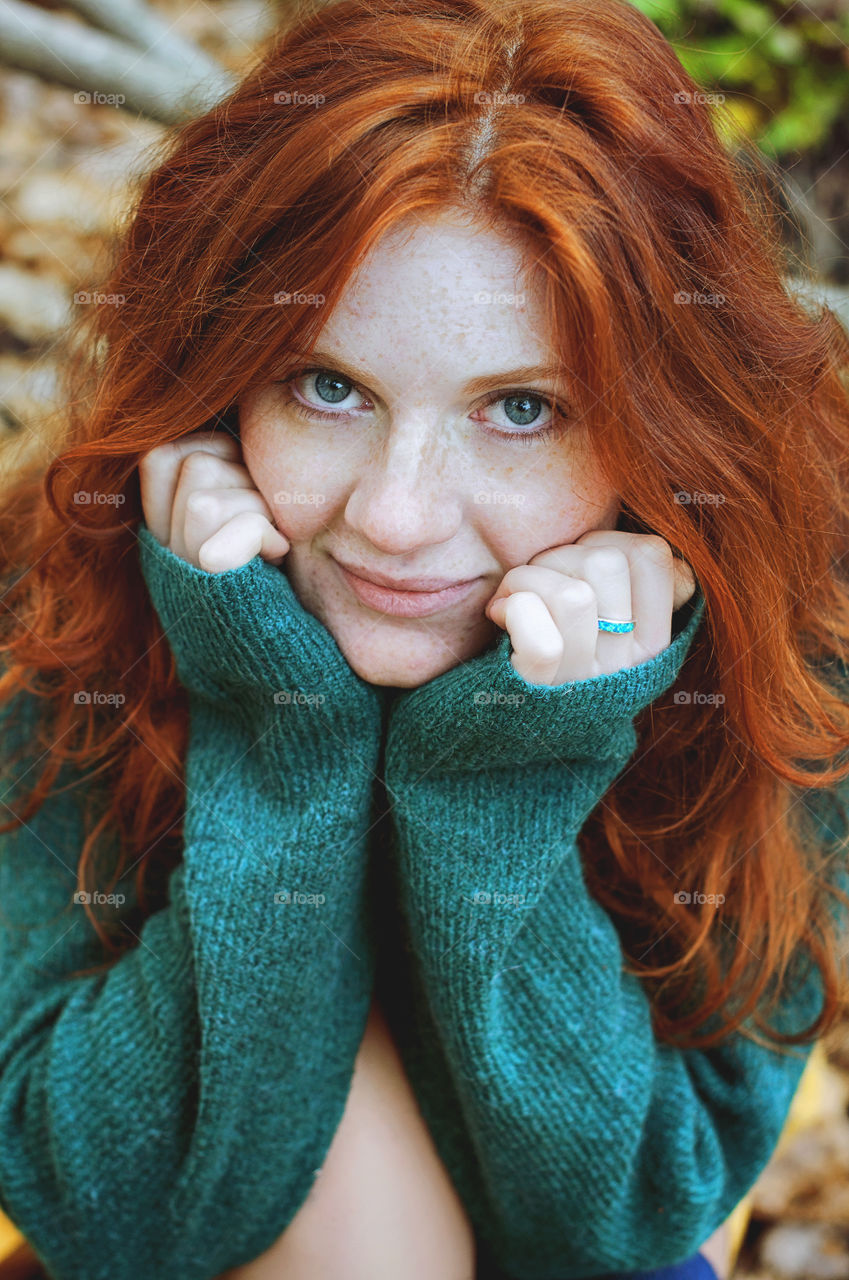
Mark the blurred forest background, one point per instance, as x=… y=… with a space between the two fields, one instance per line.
x=89 y=90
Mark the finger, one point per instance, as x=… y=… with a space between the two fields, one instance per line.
x=159 y=471
x=605 y=566
x=685 y=582
x=658 y=579
x=244 y=536
x=200 y=472
x=536 y=641
x=571 y=603
x=208 y=510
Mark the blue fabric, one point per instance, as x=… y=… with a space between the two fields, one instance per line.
x=695 y=1268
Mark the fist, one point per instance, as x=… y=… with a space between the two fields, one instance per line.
x=199 y=500
x=551 y=606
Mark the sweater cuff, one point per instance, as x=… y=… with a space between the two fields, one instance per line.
x=242 y=629
x=496 y=717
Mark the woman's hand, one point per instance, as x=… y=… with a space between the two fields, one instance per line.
x=199 y=500
x=551 y=606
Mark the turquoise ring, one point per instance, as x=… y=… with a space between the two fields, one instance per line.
x=606 y=624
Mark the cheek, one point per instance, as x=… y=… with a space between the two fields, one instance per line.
x=292 y=476
x=551 y=503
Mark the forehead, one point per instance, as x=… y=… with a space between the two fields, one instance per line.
x=441 y=290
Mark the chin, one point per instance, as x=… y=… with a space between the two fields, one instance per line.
x=384 y=665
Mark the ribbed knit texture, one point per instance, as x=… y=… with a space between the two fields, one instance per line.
x=581 y=1144
x=167 y=1118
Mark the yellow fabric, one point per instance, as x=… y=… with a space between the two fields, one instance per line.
x=10 y=1238
x=804 y=1110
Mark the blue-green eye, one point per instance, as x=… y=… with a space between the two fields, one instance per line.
x=332 y=386
x=522 y=407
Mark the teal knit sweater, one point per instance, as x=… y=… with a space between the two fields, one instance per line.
x=167 y=1117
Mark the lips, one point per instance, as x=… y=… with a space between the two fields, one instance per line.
x=414 y=603
x=404 y=584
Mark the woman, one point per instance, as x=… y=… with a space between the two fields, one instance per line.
x=398 y=956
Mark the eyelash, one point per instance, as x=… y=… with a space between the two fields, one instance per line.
x=557 y=425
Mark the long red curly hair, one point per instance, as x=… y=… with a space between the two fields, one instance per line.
x=571 y=126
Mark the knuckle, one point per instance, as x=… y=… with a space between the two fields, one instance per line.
x=548 y=649
x=606 y=536
x=577 y=591
x=201 y=503
x=199 y=465
x=512 y=578
x=608 y=559
x=657 y=549
x=157 y=460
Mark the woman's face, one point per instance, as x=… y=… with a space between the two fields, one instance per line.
x=429 y=466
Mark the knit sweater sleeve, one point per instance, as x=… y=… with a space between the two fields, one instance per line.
x=167 y=1116
x=596 y=1147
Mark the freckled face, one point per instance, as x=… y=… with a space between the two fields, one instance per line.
x=417 y=474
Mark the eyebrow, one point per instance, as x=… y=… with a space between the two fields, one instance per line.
x=526 y=373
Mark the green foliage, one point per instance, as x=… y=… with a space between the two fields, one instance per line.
x=782 y=65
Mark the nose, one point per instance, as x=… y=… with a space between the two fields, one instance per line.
x=406 y=495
